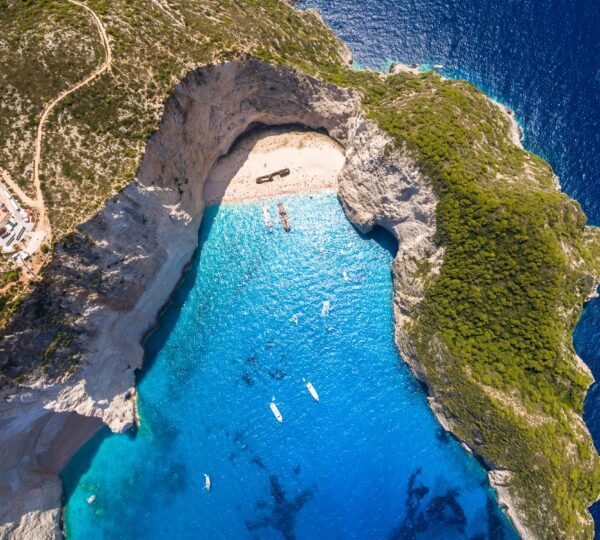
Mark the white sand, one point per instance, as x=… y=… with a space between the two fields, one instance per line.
x=314 y=161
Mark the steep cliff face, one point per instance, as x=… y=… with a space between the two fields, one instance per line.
x=83 y=326
x=381 y=186
x=107 y=282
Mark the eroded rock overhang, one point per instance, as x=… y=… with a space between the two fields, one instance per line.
x=110 y=279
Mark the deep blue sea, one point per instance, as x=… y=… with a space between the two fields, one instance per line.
x=258 y=313
x=539 y=57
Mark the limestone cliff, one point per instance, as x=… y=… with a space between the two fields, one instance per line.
x=85 y=322
x=111 y=277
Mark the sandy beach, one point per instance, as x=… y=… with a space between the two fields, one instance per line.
x=314 y=161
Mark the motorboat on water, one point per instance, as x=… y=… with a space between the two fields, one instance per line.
x=275 y=411
x=91 y=499
x=325 y=308
x=284 y=218
x=267 y=218
x=311 y=389
x=206 y=482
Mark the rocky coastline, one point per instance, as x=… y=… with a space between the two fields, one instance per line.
x=138 y=246
x=111 y=278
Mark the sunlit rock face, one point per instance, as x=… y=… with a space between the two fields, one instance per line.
x=108 y=281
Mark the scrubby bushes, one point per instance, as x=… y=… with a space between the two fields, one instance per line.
x=494 y=329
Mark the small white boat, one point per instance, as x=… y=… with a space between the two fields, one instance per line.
x=295 y=318
x=275 y=411
x=325 y=308
x=206 y=482
x=267 y=218
x=438 y=66
x=91 y=499
x=346 y=278
x=311 y=389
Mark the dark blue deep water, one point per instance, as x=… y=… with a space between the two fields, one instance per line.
x=539 y=57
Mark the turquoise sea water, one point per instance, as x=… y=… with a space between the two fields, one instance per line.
x=539 y=57
x=248 y=324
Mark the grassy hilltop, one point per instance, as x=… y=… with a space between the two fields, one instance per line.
x=494 y=330
x=95 y=137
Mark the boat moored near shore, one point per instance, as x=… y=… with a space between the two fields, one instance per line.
x=284 y=218
x=267 y=218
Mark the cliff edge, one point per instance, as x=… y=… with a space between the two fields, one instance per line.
x=492 y=270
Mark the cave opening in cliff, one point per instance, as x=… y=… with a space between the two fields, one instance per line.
x=266 y=162
x=384 y=238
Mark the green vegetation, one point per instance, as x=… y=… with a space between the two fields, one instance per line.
x=13 y=275
x=494 y=329
x=46 y=47
x=59 y=358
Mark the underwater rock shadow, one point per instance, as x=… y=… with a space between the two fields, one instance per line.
x=283 y=513
x=442 y=516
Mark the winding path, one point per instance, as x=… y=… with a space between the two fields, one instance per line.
x=14 y=187
x=163 y=6
x=43 y=221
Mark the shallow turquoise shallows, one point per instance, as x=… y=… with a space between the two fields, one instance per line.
x=258 y=313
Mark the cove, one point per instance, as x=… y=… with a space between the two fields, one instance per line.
x=368 y=461
x=541 y=58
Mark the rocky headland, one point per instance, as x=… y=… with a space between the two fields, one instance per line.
x=80 y=334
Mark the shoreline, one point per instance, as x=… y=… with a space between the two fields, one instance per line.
x=314 y=162
x=223 y=200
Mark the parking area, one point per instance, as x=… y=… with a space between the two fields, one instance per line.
x=15 y=223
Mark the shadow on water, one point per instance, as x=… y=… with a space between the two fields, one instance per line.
x=169 y=314
x=383 y=237
x=80 y=464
